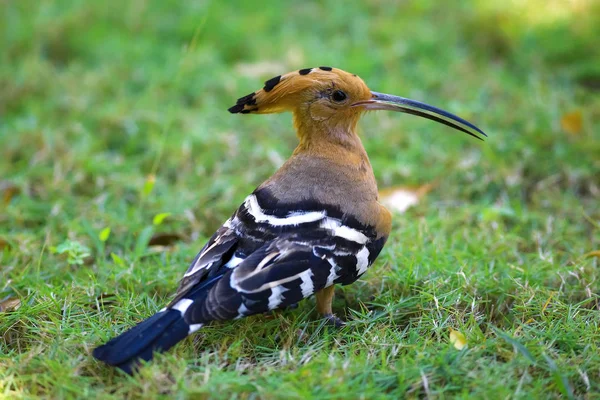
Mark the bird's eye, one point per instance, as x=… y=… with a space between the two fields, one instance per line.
x=338 y=96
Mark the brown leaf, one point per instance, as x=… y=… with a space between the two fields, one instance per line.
x=8 y=190
x=595 y=253
x=4 y=244
x=458 y=340
x=165 y=239
x=9 y=304
x=401 y=198
x=572 y=122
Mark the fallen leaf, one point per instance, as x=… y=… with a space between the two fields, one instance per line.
x=457 y=339
x=572 y=122
x=4 y=244
x=8 y=190
x=595 y=253
x=164 y=239
x=401 y=198
x=9 y=304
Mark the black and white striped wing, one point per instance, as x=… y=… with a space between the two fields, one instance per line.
x=275 y=276
x=212 y=261
x=349 y=246
x=269 y=256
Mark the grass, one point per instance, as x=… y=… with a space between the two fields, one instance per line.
x=112 y=114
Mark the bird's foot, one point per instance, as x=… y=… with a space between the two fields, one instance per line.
x=333 y=320
x=293 y=306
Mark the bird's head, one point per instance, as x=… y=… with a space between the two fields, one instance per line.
x=330 y=100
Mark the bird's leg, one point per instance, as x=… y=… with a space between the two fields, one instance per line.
x=324 y=300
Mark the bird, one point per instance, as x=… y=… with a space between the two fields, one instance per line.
x=315 y=223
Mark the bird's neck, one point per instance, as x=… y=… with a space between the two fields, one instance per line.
x=337 y=141
x=325 y=168
x=330 y=166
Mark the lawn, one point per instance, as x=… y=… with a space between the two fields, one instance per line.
x=118 y=159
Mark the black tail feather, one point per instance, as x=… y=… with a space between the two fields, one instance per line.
x=158 y=333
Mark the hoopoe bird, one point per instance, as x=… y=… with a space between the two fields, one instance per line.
x=315 y=223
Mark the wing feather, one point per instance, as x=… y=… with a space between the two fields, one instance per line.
x=263 y=258
x=277 y=275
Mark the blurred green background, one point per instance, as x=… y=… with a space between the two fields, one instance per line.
x=117 y=149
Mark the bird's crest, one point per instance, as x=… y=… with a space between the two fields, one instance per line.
x=285 y=92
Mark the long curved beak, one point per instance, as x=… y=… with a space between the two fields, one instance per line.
x=382 y=101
